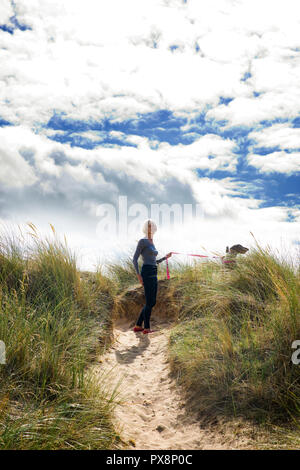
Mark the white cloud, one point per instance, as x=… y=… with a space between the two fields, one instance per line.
x=141 y=163
x=6 y=12
x=15 y=171
x=112 y=59
x=279 y=162
x=94 y=59
x=250 y=110
x=278 y=135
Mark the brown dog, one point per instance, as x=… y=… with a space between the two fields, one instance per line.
x=230 y=258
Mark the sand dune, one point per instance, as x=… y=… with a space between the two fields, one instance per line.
x=151 y=415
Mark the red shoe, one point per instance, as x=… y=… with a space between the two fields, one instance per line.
x=148 y=331
x=138 y=328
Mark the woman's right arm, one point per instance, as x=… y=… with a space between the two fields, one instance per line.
x=137 y=253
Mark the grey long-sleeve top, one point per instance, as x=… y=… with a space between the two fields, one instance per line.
x=148 y=252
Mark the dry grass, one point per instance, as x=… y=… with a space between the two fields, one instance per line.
x=231 y=349
x=54 y=322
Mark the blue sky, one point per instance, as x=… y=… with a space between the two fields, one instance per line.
x=275 y=188
x=182 y=102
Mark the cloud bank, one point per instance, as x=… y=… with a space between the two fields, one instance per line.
x=182 y=102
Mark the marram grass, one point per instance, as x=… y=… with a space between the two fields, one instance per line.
x=54 y=323
x=231 y=349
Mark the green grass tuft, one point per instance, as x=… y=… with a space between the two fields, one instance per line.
x=231 y=349
x=54 y=321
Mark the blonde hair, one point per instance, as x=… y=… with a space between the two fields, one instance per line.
x=153 y=227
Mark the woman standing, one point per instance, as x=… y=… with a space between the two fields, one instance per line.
x=148 y=275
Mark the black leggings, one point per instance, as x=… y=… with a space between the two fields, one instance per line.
x=149 y=275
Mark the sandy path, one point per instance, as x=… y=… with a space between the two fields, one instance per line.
x=151 y=413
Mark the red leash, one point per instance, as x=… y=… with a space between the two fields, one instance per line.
x=199 y=256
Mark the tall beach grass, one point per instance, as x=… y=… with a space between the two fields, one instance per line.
x=54 y=323
x=231 y=349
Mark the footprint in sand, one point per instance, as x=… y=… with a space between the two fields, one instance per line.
x=151 y=412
